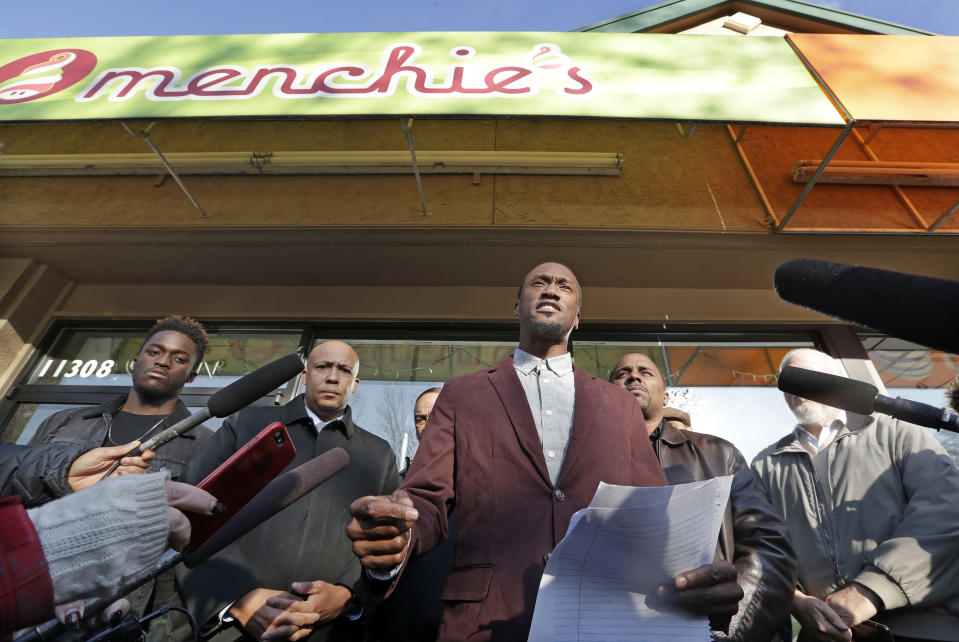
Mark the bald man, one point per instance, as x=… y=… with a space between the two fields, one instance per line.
x=295 y=576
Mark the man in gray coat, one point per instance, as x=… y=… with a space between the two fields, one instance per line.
x=872 y=506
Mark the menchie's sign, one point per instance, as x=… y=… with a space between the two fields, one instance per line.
x=398 y=70
x=664 y=77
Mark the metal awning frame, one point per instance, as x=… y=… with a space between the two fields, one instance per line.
x=851 y=124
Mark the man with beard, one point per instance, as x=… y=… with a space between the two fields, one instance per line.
x=517 y=449
x=871 y=506
x=752 y=536
x=168 y=360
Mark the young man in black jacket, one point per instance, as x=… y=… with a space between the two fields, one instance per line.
x=168 y=360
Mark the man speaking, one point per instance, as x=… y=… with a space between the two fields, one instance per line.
x=517 y=448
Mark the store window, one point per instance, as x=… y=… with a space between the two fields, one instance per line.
x=917 y=373
x=728 y=388
x=725 y=381
x=83 y=366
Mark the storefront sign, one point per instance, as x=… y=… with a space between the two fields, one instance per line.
x=636 y=76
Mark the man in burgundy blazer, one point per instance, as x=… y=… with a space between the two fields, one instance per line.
x=482 y=453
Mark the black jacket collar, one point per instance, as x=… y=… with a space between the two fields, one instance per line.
x=295 y=411
x=113 y=406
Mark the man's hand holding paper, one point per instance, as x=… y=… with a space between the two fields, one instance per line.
x=711 y=589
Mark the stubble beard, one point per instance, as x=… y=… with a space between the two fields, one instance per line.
x=547 y=329
x=156 y=397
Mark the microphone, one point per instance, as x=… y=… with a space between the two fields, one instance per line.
x=921 y=309
x=862 y=398
x=275 y=496
x=224 y=402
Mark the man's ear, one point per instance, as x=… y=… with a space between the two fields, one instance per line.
x=303 y=378
x=356 y=383
x=516 y=309
x=576 y=322
x=665 y=399
x=192 y=376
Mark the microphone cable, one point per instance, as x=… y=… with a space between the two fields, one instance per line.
x=131 y=628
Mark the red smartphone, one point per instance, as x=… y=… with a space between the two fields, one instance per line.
x=237 y=480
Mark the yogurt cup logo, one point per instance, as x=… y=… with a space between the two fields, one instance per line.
x=41 y=74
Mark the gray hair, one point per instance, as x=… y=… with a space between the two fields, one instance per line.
x=835 y=367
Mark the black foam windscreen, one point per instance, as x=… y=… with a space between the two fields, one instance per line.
x=916 y=308
x=247 y=389
x=275 y=496
x=829 y=390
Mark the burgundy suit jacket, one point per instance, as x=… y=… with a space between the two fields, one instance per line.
x=481 y=452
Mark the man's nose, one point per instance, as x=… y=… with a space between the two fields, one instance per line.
x=163 y=360
x=551 y=290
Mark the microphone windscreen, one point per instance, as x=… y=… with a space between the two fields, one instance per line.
x=829 y=390
x=921 y=309
x=275 y=496
x=244 y=391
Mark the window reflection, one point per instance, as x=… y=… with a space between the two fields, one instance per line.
x=729 y=389
x=917 y=373
x=104 y=357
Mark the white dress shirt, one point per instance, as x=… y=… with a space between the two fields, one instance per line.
x=551 y=393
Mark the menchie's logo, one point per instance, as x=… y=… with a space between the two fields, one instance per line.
x=545 y=67
x=44 y=73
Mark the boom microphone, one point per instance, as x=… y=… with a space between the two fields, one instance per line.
x=916 y=308
x=224 y=402
x=275 y=496
x=862 y=398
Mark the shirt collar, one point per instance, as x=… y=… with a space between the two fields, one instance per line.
x=656 y=434
x=826 y=435
x=344 y=421
x=526 y=363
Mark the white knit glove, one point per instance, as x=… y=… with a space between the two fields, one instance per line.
x=104 y=536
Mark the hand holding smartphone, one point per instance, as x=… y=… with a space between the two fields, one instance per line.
x=237 y=480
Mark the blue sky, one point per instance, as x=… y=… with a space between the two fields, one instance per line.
x=56 y=18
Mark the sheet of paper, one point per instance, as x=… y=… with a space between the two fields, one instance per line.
x=600 y=581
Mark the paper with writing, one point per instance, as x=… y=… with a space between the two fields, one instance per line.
x=600 y=581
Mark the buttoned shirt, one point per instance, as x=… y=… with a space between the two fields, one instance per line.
x=551 y=393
